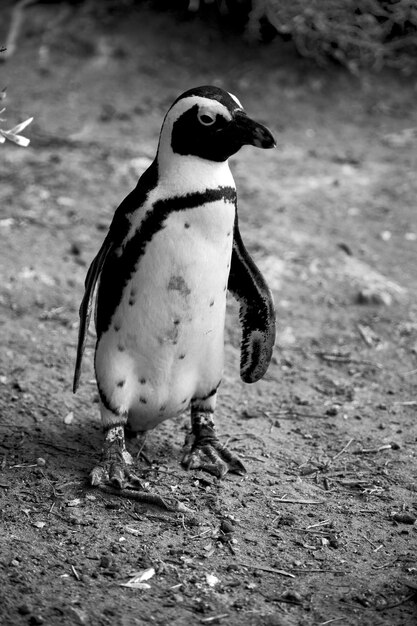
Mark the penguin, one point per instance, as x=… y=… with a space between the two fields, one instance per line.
x=172 y=252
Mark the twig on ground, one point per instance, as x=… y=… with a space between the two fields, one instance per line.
x=251 y=457
x=169 y=504
x=289 y=413
x=76 y=574
x=390 y=564
x=200 y=535
x=230 y=438
x=265 y=568
x=409 y=372
x=334 y=357
x=403 y=601
x=339 y=357
x=386 y=446
x=370 y=542
x=367 y=334
x=323 y=523
x=295 y=501
x=214 y=618
x=356 y=482
x=323 y=571
x=341 y=452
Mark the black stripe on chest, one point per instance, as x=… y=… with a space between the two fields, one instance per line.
x=118 y=270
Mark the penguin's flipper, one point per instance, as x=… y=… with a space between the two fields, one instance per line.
x=256 y=313
x=86 y=306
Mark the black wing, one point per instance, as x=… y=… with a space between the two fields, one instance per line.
x=119 y=229
x=87 y=304
x=256 y=313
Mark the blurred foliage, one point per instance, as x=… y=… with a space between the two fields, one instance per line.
x=359 y=34
x=356 y=33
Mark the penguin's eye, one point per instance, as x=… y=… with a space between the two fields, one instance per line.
x=207 y=119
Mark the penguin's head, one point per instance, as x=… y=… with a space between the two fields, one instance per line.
x=210 y=123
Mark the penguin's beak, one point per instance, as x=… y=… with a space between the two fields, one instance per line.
x=252 y=133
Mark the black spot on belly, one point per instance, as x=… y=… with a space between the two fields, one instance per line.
x=186 y=225
x=121 y=348
x=177 y=283
x=142 y=381
x=184 y=401
x=229 y=233
x=121 y=383
x=143 y=400
x=162 y=408
x=116 y=327
x=176 y=322
x=132 y=302
x=212 y=303
x=182 y=356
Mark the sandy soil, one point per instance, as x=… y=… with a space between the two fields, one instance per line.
x=322 y=529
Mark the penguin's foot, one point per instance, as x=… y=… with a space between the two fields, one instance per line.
x=203 y=450
x=113 y=467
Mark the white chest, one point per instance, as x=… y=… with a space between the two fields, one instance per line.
x=183 y=270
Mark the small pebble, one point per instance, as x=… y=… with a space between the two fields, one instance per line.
x=403 y=518
x=374 y=296
x=178 y=597
x=40 y=462
x=232 y=567
x=36 y=620
x=75 y=248
x=105 y=561
x=227 y=527
x=292 y=596
x=332 y=411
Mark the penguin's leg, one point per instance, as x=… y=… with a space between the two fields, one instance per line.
x=113 y=466
x=202 y=449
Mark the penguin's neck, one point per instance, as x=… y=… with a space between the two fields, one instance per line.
x=182 y=174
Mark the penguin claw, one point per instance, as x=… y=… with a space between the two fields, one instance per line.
x=117 y=474
x=98 y=475
x=212 y=457
x=113 y=468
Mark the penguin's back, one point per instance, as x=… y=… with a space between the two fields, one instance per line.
x=162 y=345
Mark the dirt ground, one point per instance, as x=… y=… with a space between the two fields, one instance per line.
x=322 y=528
